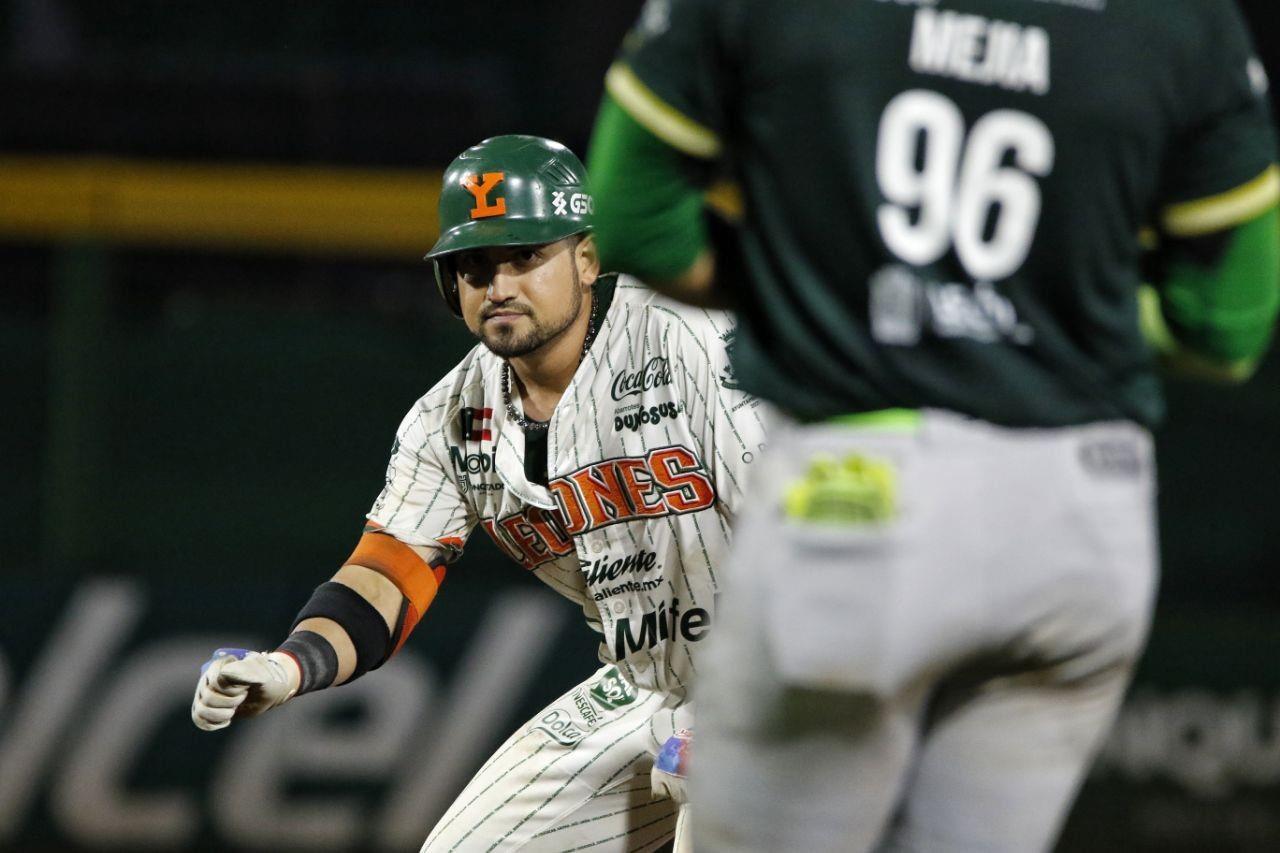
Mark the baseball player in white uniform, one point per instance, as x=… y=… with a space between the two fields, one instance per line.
x=596 y=435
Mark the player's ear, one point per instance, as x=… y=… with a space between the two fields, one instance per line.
x=587 y=259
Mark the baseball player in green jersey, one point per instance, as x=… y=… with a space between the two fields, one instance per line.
x=944 y=577
x=591 y=434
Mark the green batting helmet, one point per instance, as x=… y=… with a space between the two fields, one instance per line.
x=508 y=191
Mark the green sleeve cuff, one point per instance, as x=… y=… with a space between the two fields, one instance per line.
x=648 y=209
x=1226 y=310
x=1174 y=356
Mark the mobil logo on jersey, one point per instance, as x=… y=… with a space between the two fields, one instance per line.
x=665 y=481
x=474 y=426
x=472 y=463
x=654 y=373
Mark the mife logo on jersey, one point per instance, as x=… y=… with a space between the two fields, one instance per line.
x=480 y=187
x=665 y=623
x=665 y=481
x=655 y=373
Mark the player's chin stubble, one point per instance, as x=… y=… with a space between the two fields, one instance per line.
x=506 y=342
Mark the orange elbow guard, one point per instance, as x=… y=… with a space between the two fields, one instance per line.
x=416 y=579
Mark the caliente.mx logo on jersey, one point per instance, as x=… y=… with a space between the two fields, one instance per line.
x=608 y=576
x=610 y=568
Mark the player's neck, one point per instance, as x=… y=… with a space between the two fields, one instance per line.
x=544 y=374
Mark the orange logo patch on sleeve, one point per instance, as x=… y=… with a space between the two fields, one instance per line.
x=481 y=189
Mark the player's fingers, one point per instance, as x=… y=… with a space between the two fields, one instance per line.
x=237 y=676
x=206 y=726
x=210 y=674
x=211 y=719
x=212 y=716
x=212 y=682
x=221 y=698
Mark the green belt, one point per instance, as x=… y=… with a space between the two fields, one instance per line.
x=895 y=420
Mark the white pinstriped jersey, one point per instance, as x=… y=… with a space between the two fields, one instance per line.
x=647 y=452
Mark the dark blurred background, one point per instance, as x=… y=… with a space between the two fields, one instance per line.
x=212 y=318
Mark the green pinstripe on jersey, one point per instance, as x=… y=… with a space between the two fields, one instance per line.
x=665 y=818
x=516 y=771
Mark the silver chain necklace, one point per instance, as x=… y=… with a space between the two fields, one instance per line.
x=529 y=424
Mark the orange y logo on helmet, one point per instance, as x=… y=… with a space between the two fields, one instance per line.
x=481 y=189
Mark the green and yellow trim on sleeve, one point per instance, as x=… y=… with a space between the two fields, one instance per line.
x=658 y=117
x=1225 y=210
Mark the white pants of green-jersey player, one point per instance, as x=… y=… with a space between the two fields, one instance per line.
x=575 y=777
x=927 y=631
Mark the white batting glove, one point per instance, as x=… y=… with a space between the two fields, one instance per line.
x=237 y=683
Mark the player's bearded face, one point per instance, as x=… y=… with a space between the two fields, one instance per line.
x=517 y=299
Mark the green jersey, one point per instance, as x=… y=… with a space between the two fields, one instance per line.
x=945 y=200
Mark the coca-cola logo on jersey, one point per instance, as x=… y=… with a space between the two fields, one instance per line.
x=655 y=373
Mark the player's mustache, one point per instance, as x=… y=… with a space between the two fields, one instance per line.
x=486 y=313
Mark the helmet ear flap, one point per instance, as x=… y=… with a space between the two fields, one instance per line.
x=447 y=284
